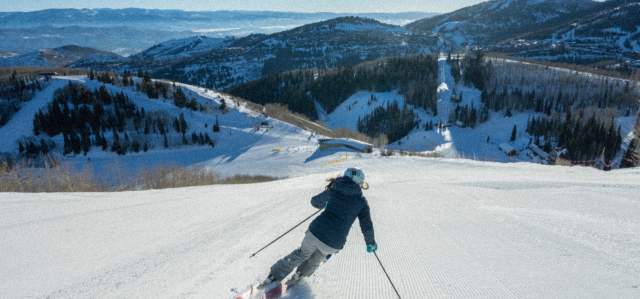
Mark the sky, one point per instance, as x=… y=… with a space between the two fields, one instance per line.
x=350 y=6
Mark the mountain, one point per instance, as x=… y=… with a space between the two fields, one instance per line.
x=180 y=19
x=496 y=20
x=496 y=109
x=130 y=31
x=180 y=48
x=608 y=31
x=336 y=42
x=58 y=57
x=117 y=39
x=6 y=54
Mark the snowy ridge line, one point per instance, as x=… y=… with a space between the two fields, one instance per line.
x=257 y=109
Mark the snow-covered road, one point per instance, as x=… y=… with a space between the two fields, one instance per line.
x=446 y=229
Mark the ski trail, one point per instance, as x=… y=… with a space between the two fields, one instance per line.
x=445 y=229
x=21 y=124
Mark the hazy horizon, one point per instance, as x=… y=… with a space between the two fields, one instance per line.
x=327 y=6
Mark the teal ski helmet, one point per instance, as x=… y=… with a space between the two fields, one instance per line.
x=356 y=175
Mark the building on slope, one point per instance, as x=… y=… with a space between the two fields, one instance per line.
x=508 y=149
x=345 y=143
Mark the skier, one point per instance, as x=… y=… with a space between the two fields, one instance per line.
x=342 y=202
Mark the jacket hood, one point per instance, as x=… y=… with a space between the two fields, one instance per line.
x=347 y=187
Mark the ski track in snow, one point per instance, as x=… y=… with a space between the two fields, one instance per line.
x=451 y=229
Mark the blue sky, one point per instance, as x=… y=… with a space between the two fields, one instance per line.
x=283 y=5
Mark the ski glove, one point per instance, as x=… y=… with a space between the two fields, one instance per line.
x=372 y=248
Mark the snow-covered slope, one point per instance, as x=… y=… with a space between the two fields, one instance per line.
x=179 y=48
x=450 y=229
x=496 y=20
x=242 y=141
x=358 y=106
x=481 y=142
x=608 y=31
x=6 y=54
x=337 y=42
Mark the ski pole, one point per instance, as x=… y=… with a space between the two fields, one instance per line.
x=387 y=274
x=278 y=238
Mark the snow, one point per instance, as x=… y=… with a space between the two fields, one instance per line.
x=348 y=143
x=481 y=143
x=364 y=27
x=451 y=229
x=507 y=148
x=358 y=106
x=443 y=87
x=33 y=59
x=183 y=47
x=21 y=124
x=4 y=54
x=627 y=127
x=240 y=144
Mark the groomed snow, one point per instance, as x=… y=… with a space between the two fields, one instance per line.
x=445 y=228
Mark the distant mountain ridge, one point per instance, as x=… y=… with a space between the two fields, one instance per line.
x=183 y=47
x=181 y=20
x=493 y=21
x=608 y=30
x=120 y=40
x=130 y=31
x=336 y=42
x=605 y=33
x=577 y=31
x=58 y=57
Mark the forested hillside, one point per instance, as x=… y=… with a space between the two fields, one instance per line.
x=576 y=112
x=415 y=77
x=14 y=91
x=423 y=103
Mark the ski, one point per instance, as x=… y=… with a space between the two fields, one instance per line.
x=249 y=293
x=274 y=290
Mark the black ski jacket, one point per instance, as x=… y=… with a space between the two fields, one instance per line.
x=344 y=202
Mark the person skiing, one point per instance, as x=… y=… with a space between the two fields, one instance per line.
x=343 y=202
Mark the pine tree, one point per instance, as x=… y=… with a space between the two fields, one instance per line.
x=76 y=143
x=216 y=126
x=86 y=141
x=135 y=146
x=632 y=157
x=44 y=147
x=115 y=146
x=183 y=124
